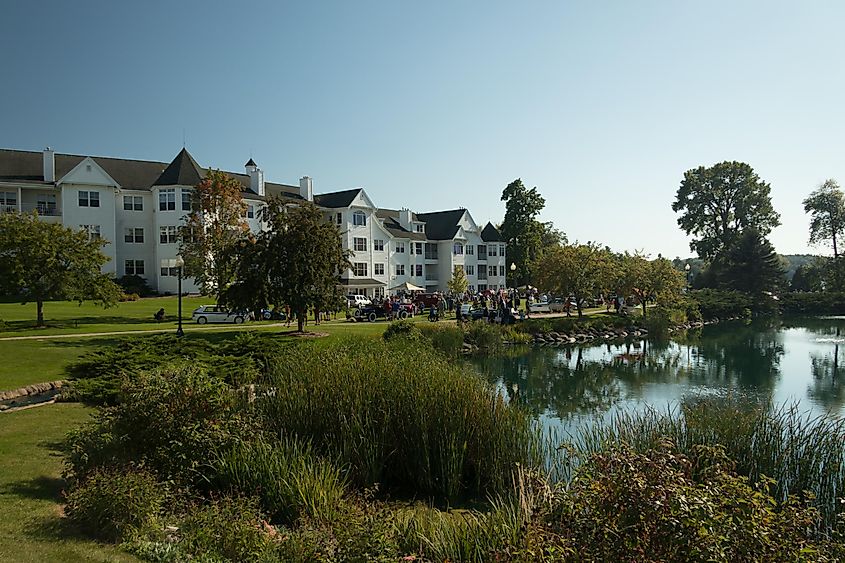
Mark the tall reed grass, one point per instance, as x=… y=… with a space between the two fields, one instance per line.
x=800 y=451
x=401 y=415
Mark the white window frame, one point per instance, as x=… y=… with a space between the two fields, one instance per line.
x=133 y=203
x=93 y=231
x=470 y=270
x=418 y=270
x=167 y=199
x=359 y=244
x=134 y=268
x=167 y=234
x=491 y=250
x=378 y=269
x=399 y=247
x=458 y=249
x=359 y=219
x=133 y=235
x=88 y=198
x=359 y=269
x=378 y=245
x=469 y=249
x=187 y=198
x=400 y=269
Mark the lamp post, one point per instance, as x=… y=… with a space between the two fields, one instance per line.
x=513 y=269
x=687 y=269
x=180 y=263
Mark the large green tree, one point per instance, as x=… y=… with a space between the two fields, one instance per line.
x=579 y=270
x=826 y=207
x=212 y=230
x=459 y=282
x=717 y=204
x=521 y=230
x=42 y=261
x=296 y=261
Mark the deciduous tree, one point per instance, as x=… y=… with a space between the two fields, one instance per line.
x=296 y=261
x=651 y=279
x=42 y=261
x=580 y=270
x=826 y=207
x=521 y=229
x=459 y=282
x=718 y=203
x=211 y=232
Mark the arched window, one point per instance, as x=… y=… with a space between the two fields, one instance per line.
x=458 y=248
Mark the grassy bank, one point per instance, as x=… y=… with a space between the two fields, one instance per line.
x=31 y=527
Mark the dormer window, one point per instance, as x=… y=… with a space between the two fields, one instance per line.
x=420 y=228
x=359 y=219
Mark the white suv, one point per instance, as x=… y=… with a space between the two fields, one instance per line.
x=214 y=314
x=356 y=301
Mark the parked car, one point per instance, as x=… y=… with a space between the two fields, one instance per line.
x=557 y=305
x=214 y=314
x=368 y=313
x=468 y=313
x=539 y=307
x=273 y=315
x=355 y=301
x=426 y=300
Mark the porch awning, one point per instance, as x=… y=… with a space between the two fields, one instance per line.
x=361 y=282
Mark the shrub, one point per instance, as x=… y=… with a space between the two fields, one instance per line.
x=287 y=477
x=228 y=528
x=717 y=303
x=113 y=504
x=168 y=420
x=135 y=285
x=813 y=303
x=402 y=329
x=401 y=415
x=128 y=297
x=661 y=505
x=446 y=338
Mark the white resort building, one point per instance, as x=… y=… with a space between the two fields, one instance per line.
x=138 y=205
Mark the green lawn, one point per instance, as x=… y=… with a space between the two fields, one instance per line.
x=31 y=528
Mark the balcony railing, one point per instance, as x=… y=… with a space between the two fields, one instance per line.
x=46 y=209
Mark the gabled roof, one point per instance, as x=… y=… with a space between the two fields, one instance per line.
x=250 y=162
x=441 y=225
x=391 y=223
x=491 y=234
x=28 y=167
x=335 y=200
x=183 y=171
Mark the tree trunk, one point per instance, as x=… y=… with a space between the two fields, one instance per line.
x=644 y=300
x=835 y=253
x=300 y=321
x=40 y=307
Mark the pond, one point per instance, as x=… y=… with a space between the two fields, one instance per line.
x=796 y=360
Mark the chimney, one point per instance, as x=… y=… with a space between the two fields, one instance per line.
x=306 y=189
x=49 y=165
x=256 y=179
x=405 y=218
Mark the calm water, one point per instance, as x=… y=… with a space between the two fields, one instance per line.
x=790 y=361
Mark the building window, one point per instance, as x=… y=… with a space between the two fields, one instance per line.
x=418 y=270
x=187 y=200
x=378 y=269
x=502 y=270
x=482 y=252
x=378 y=245
x=133 y=235
x=378 y=292
x=170 y=272
x=89 y=199
x=133 y=267
x=167 y=235
x=359 y=219
x=491 y=250
x=482 y=287
x=491 y=271
x=400 y=247
x=501 y=250
x=133 y=203
x=470 y=249
x=167 y=199
x=339 y=218
x=359 y=244
x=360 y=269
x=418 y=248
x=250 y=212
x=482 y=273
x=92 y=230
x=420 y=228
x=470 y=270
x=458 y=249
x=9 y=200
x=400 y=269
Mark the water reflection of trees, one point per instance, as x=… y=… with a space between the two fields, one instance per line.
x=564 y=382
x=747 y=356
x=827 y=386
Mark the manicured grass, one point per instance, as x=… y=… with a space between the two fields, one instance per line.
x=31 y=528
x=37 y=361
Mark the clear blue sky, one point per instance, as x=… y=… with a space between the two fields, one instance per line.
x=435 y=105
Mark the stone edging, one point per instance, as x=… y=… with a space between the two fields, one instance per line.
x=33 y=389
